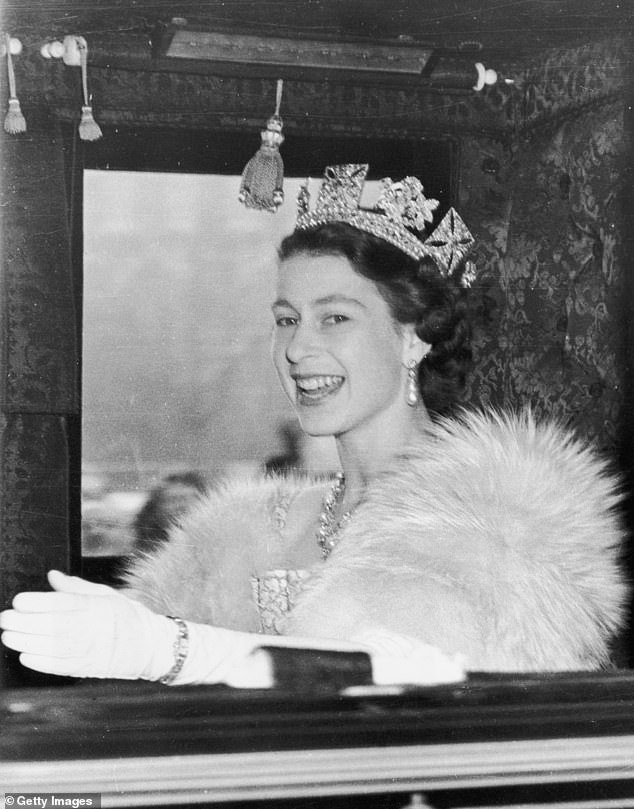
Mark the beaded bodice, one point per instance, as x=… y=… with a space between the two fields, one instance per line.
x=275 y=591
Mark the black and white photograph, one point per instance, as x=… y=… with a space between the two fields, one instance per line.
x=317 y=404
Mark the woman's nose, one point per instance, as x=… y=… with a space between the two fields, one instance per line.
x=302 y=344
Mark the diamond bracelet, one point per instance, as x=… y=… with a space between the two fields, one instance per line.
x=181 y=647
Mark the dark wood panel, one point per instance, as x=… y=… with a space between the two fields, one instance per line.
x=495 y=740
x=112 y=719
x=513 y=28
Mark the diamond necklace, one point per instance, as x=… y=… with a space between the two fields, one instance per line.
x=329 y=526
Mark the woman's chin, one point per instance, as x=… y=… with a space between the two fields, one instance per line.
x=317 y=430
x=316 y=424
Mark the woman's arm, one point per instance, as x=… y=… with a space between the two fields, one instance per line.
x=83 y=629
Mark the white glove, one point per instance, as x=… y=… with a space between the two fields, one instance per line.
x=91 y=630
x=402 y=659
x=88 y=630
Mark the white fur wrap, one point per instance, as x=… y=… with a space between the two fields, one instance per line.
x=494 y=537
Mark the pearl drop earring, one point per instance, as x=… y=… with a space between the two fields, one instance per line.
x=412 y=385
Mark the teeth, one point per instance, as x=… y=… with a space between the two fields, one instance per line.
x=313 y=383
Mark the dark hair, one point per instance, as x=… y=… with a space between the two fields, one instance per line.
x=415 y=292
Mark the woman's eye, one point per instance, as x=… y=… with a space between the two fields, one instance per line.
x=286 y=320
x=334 y=319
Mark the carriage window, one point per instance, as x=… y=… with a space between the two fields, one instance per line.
x=178 y=388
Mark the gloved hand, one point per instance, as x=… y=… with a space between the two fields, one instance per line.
x=91 y=630
x=400 y=658
x=88 y=630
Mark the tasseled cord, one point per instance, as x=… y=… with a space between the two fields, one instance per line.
x=263 y=176
x=14 y=121
x=88 y=128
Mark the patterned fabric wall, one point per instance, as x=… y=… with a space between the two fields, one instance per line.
x=549 y=304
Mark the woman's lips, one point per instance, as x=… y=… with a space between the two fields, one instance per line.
x=314 y=389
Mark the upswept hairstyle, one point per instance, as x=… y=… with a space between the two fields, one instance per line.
x=415 y=293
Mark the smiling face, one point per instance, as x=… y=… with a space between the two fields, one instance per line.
x=337 y=350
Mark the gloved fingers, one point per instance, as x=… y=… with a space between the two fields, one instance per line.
x=4 y=617
x=31 y=644
x=50 y=602
x=97 y=632
x=89 y=631
x=70 y=593
x=57 y=644
x=74 y=584
x=49 y=665
x=64 y=667
x=34 y=623
x=12 y=640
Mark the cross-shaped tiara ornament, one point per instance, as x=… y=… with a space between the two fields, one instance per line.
x=401 y=207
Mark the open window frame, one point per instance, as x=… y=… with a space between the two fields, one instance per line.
x=225 y=153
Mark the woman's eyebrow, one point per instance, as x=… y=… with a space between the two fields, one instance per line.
x=338 y=298
x=325 y=301
x=282 y=302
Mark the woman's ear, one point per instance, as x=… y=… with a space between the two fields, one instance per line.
x=413 y=347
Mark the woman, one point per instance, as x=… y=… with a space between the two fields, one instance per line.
x=487 y=537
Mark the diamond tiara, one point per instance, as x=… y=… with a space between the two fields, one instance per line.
x=401 y=208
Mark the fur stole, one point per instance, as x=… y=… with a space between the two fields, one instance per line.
x=494 y=537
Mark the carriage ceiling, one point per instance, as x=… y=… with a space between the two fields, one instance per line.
x=515 y=28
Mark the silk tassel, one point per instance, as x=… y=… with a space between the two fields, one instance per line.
x=14 y=121
x=89 y=129
x=263 y=176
